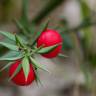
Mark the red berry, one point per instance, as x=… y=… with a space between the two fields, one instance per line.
x=19 y=79
x=49 y=38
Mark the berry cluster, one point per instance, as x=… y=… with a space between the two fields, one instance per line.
x=48 y=38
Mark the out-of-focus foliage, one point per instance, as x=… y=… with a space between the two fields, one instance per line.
x=48 y=7
x=83 y=43
x=9 y=9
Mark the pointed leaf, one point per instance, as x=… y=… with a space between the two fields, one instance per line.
x=32 y=29
x=6 y=66
x=8 y=41
x=11 y=36
x=37 y=77
x=26 y=67
x=23 y=23
x=16 y=72
x=47 y=49
x=25 y=10
x=12 y=55
x=62 y=55
x=42 y=28
x=22 y=40
x=18 y=41
x=21 y=26
x=37 y=65
x=8 y=35
x=9 y=46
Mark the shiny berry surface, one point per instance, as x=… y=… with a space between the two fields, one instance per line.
x=19 y=79
x=48 y=38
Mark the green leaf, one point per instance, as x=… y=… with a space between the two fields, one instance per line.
x=8 y=35
x=16 y=72
x=62 y=55
x=25 y=6
x=6 y=66
x=8 y=41
x=24 y=22
x=9 y=46
x=24 y=17
x=19 y=42
x=37 y=65
x=47 y=49
x=21 y=26
x=12 y=55
x=11 y=36
x=37 y=77
x=26 y=67
x=32 y=29
x=42 y=28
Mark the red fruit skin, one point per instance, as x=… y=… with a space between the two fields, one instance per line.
x=48 y=38
x=19 y=79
